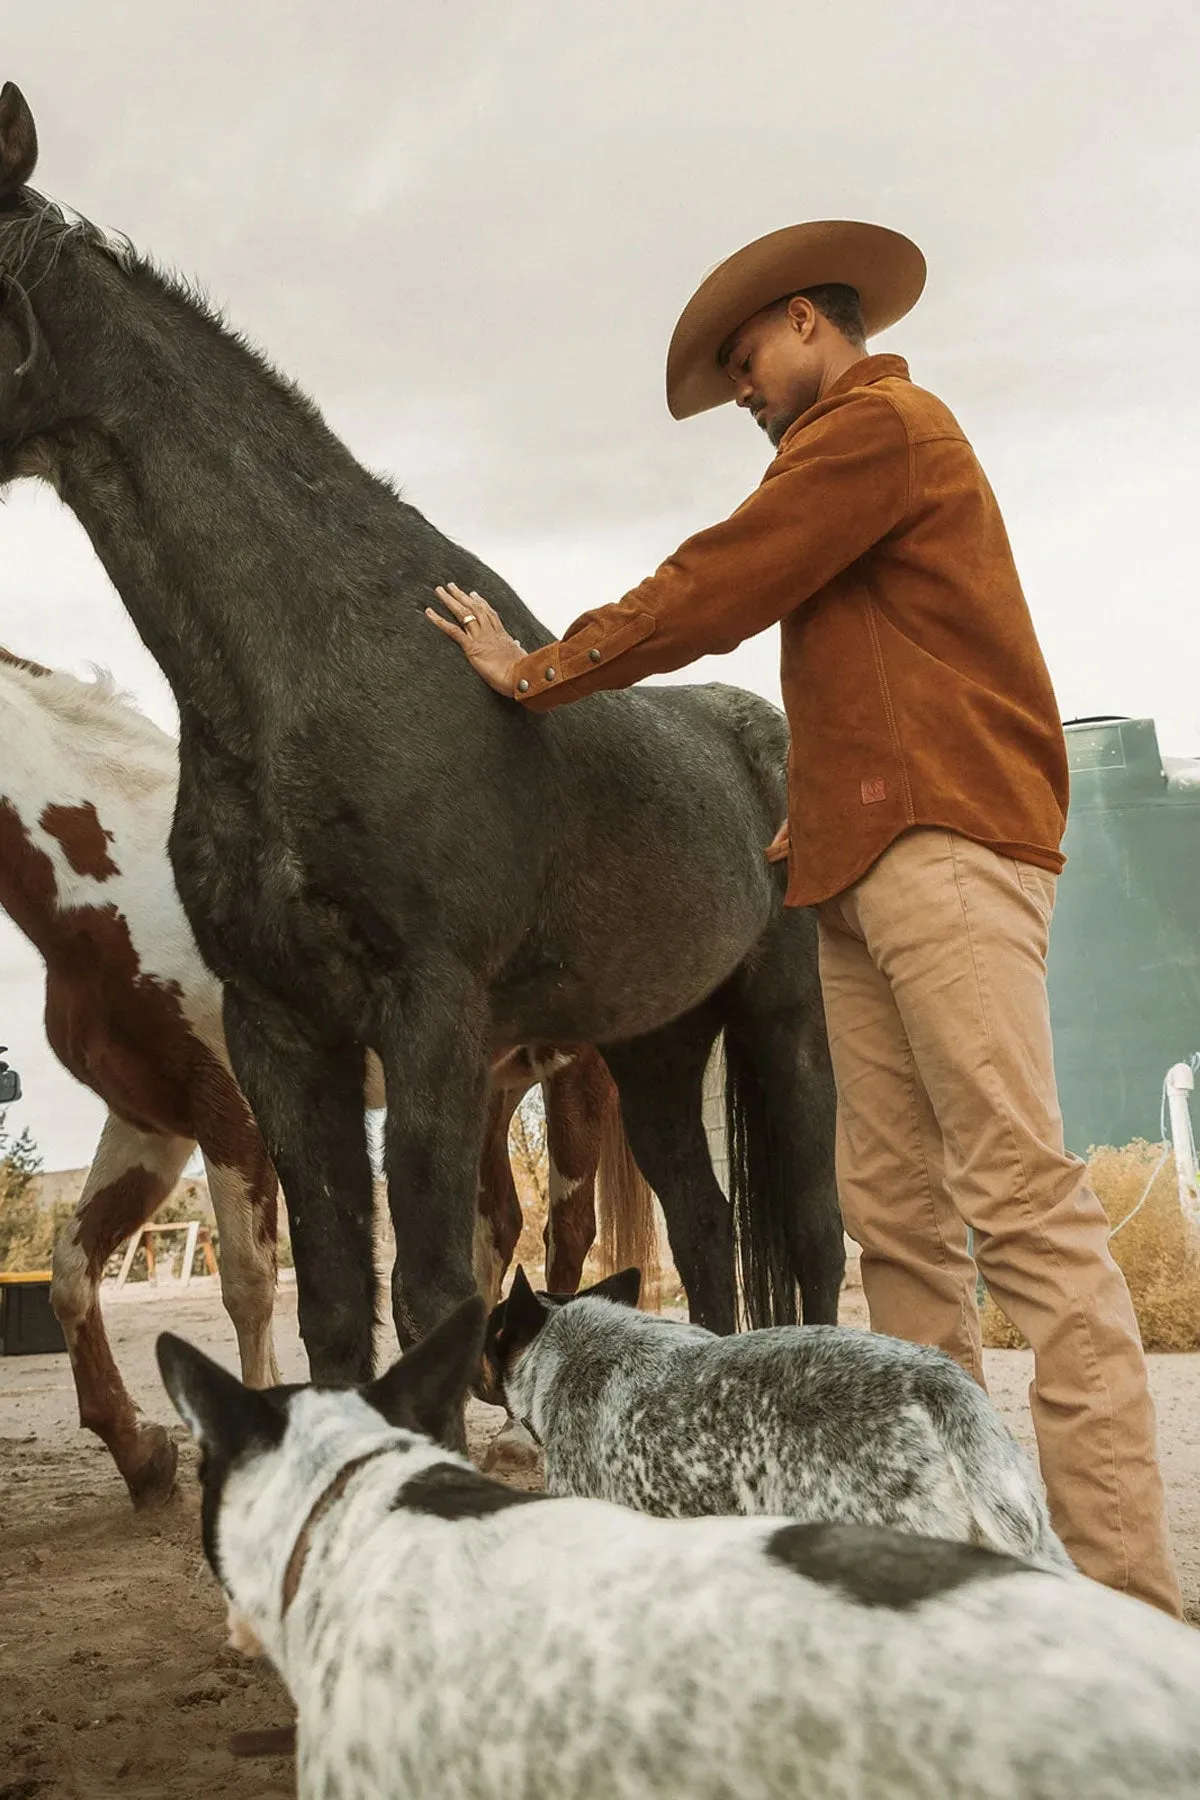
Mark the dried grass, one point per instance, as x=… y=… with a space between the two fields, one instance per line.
x=1158 y=1251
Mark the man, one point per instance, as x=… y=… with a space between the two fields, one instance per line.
x=926 y=807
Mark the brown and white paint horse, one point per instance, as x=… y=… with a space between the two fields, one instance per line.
x=592 y=1175
x=87 y=793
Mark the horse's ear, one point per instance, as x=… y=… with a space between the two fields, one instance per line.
x=18 y=139
x=426 y=1388
x=624 y=1288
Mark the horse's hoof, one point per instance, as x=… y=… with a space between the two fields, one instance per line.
x=151 y=1479
x=511 y=1452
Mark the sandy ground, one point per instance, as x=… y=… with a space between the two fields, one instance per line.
x=114 y=1678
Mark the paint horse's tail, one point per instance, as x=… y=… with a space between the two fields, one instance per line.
x=626 y=1218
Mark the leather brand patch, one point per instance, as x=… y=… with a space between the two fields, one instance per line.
x=874 y=791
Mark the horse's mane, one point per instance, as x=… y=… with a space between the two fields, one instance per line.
x=98 y=709
x=33 y=246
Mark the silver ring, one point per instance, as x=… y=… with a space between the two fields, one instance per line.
x=469 y=619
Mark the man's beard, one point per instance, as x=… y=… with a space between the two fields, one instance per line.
x=776 y=428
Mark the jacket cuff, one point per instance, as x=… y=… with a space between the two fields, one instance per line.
x=584 y=652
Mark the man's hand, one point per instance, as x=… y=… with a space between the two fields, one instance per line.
x=480 y=636
x=777 y=849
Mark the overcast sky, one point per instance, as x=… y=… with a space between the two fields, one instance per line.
x=467 y=230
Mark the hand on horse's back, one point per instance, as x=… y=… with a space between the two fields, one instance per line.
x=480 y=635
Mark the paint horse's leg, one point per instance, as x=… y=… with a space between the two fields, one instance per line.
x=244 y=1191
x=245 y=1202
x=661 y=1083
x=498 y=1218
x=574 y=1095
x=131 y=1175
x=308 y=1100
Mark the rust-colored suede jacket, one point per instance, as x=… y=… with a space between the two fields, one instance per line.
x=915 y=688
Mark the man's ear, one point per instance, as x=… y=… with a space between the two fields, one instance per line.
x=18 y=139
x=426 y=1389
x=624 y=1288
x=224 y=1417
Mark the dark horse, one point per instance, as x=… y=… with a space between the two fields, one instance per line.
x=374 y=850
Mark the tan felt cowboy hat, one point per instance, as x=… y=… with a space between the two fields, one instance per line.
x=886 y=269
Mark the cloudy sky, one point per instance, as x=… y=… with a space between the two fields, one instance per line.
x=467 y=230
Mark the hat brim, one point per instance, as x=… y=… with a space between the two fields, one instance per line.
x=885 y=268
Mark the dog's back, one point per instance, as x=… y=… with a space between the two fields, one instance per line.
x=813 y=1422
x=474 y=1644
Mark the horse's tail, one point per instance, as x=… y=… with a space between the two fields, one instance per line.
x=759 y=1194
x=626 y=1219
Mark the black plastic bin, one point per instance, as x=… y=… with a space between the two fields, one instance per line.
x=28 y=1326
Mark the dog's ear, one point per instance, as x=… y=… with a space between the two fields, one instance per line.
x=624 y=1288
x=224 y=1417
x=513 y=1326
x=525 y=1312
x=426 y=1389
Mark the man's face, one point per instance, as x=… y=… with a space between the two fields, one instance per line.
x=776 y=362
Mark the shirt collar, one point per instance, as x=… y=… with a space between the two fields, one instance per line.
x=863 y=373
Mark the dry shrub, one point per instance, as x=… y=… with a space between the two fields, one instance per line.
x=26 y=1230
x=530 y=1162
x=1158 y=1250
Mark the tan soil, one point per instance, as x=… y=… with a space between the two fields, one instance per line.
x=115 y=1683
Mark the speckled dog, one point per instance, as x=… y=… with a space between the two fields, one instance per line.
x=815 y=1422
x=445 y=1636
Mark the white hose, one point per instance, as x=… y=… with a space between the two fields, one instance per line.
x=1168 y=1146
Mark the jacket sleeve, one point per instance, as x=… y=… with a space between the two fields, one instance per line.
x=824 y=501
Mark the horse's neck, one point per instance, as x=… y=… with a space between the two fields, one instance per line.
x=220 y=505
x=173 y=567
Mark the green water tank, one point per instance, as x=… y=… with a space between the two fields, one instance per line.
x=1124 y=963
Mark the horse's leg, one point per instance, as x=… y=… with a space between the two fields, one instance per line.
x=245 y=1202
x=660 y=1079
x=498 y=1219
x=308 y=1100
x=776 y=1044
x=131 y=1175
x=434 y=1049
x=573 y=1097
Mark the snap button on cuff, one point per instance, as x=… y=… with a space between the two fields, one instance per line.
x=522 y=687
x=550 y=674
x=593 y=656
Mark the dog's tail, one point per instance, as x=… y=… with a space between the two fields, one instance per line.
x=1001 y=1492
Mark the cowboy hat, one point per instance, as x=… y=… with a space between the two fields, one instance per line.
x=886 y=269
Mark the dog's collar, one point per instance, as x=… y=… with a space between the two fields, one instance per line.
x=331 y=1495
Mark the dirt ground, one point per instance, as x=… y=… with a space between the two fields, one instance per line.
x=115 y=1683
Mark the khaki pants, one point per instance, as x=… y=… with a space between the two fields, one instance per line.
x=934 y=975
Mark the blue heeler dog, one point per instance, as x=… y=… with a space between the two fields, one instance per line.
x=816 y=1422
x=443 y=1635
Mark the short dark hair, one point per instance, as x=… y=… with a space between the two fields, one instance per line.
x=838 y=303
